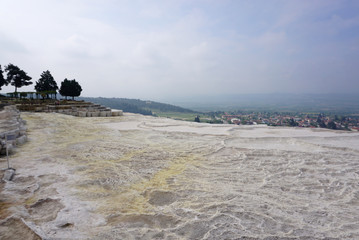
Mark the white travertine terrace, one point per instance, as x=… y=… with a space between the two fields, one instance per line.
x=12 y=124
x=152 y=178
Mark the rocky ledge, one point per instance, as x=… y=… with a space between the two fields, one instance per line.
x=74 y=108
x=12 y=128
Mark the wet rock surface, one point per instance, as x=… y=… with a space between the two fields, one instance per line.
x=160 y=198
x=138 y=177
x=14 y=228
x=45 y=210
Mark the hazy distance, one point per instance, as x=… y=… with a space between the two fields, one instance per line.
x=170 y=50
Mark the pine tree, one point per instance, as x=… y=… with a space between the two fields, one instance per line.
x=75 y=89
x=64 y=88
x=17 y=77
x=2 y=79
x=46 y=83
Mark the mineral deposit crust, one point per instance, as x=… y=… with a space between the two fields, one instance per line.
x=138 y=177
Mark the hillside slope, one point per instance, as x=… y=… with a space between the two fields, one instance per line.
x=137 y=105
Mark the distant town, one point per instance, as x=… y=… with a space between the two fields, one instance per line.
x=308 y=120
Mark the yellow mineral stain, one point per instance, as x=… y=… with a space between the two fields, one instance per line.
x=97 y=168
x=4 y=209
x=128 y=156
x=64 y=132
x=133 y=199
x=31 y=200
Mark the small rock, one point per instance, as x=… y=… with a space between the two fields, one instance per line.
x=21 y=140
x=9 y=174
x=65 y=225
x=10 y=149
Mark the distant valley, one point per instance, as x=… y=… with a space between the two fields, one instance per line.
x=145 y=107
x=276 y=102
x=333 y=111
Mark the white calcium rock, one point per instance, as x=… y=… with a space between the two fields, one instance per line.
x=9 y=174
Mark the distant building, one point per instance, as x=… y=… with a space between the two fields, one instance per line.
x=236 y=121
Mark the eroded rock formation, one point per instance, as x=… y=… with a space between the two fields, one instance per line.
x=12 y=129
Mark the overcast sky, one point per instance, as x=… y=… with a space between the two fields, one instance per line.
x=178 y=48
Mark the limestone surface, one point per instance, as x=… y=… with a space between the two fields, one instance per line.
x=140 y=177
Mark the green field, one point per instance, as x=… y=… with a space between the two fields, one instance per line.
x=181 y=116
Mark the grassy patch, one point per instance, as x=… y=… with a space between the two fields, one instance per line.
x=181 y=116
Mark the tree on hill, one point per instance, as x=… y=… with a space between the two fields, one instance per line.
x=46 y=84
x=17 y=77
x=64 y=88
x=2 y=79
x=70 y=88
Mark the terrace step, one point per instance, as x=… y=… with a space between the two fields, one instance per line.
x=79 y=109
